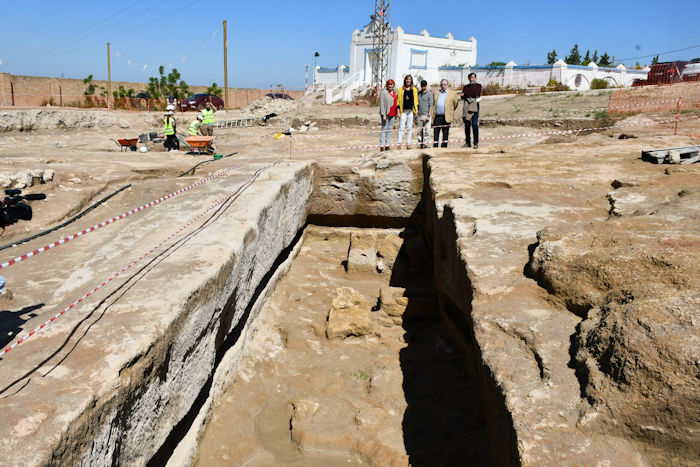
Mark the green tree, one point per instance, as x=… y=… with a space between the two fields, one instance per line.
x=167 y=85
x=574 y=57
x=89 y=87
x=605 y=60
x=654 y=61
x=496 y=64
x=587 y=58
x=215 y=89
x=552 y=57
x=595 y=57
x=122 y=92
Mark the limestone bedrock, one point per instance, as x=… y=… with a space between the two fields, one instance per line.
x=530 y=341
x=110 y=379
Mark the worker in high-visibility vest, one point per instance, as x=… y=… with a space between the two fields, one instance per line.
x=208 y=120
x=169 y=129
x=195 y=126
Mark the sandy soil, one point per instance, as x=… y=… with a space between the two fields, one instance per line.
x=88 y=166
x=375 y=399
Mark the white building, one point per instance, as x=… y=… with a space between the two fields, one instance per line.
x=434 y=58
x=420 y=55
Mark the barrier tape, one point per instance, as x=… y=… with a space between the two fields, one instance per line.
x=520 y=135
x=124 y=215
x=217 y=203
x=460 y=125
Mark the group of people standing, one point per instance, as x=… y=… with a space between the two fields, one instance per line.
x=203 y=124
x=428 y=109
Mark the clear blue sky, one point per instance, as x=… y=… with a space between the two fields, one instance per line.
x=270 y=42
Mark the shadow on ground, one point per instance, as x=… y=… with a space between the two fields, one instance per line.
x=444 y=422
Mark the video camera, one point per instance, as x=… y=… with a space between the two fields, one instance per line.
x=13 y=209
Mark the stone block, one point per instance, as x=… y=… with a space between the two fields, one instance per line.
x=362 y=255
x=350 y=315
x=388 y=250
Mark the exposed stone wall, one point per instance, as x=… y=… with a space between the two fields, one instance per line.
x=41 y=90
x=166 y=358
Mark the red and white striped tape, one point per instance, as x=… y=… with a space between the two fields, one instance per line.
x=124 y=215
x=217 y=203
x=520 y=135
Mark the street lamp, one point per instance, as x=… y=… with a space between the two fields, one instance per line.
x=315 y=65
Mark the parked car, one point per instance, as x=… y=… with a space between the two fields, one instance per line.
x=199 y=101
x=279 y=95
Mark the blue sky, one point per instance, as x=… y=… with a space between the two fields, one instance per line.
x=270 y=42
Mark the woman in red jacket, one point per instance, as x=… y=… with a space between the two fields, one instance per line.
x=387 y=111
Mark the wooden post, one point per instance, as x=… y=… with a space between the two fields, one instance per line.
x=109 y=78
x=225 y=71
x=12 y=92
x=60 y=93
x=678 y=115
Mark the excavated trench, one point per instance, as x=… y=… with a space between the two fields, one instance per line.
x=396 y=382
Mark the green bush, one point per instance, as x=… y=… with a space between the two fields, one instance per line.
x=495 y=88
x=599 y=83
x=554 y=85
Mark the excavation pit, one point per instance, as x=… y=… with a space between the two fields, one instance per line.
x=399 y=391
x=510 y=235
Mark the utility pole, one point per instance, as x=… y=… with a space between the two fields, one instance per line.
x=109 y=78
x=380 y=42
x=225 y=71
x=306 y=80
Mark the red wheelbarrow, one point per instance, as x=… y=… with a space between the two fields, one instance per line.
x=126 y=143
x=200 y=144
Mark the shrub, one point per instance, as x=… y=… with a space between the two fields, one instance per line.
x=554 y=85
x=495 y=88
x=598 y=83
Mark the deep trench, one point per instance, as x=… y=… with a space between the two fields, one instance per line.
x=454 y=413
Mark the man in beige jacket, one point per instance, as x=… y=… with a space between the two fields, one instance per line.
x=446 y=102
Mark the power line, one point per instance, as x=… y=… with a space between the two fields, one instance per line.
x=101 y=41
x=660 y=53
x=181 y=58
x=56 y=45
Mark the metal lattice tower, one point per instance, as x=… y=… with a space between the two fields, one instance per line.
x=381 y=41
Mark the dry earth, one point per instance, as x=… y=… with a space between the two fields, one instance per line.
x=565 y=266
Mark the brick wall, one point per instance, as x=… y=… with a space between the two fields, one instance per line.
x=39 y=90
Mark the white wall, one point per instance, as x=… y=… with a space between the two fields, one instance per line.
x=440 y=51
x=575 y=76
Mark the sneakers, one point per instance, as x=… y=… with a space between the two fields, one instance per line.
x=476 y=146
x=466 y=145
x=381 y=148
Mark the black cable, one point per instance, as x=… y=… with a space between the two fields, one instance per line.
x=73 y=219
x=660 y=53
x=204 y=162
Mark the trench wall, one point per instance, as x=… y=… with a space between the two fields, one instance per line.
x=163 y=360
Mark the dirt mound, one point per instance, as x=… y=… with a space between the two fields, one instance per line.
x=267 y=105
x=635 y=280
x=40 y=119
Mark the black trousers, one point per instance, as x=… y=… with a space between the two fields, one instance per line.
x=474 y=124
x=171 y=142
x=441 y=124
